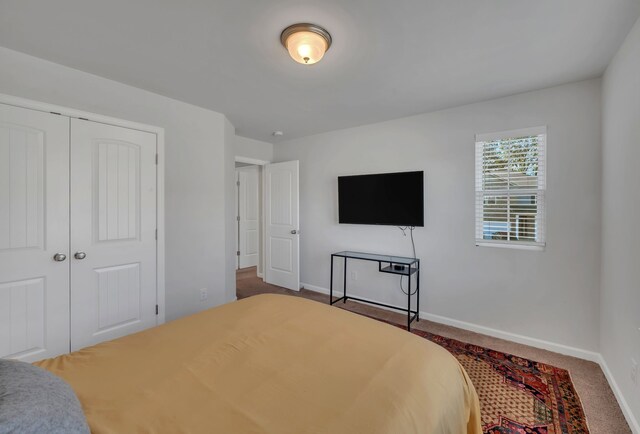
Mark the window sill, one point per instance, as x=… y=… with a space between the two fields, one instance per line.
x=520 y=246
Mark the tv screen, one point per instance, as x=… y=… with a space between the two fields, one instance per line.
x=395 y=199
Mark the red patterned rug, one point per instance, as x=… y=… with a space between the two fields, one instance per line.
x=517 y=395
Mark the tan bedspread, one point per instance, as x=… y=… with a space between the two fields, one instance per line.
x=271 y=364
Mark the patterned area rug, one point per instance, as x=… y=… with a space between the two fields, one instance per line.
x=517 y=396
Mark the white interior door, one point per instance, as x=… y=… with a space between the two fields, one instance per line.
x=34 y=227
x=282 y=216
x=249 y=216
x=113 y=232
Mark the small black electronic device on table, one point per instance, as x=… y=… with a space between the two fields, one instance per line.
x=398 y=265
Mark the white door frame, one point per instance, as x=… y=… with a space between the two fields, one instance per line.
x=257 y=162
x=159 y=132
x=236 y=207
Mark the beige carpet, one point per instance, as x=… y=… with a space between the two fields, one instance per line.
x=601 y=408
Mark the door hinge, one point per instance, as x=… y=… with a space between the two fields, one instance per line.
x=56 y=113
x=238 y=218
x=238 y=253
x=83 y=119
x=156 y=235
x=157 y=310
x=238 y=183
x=156 y=159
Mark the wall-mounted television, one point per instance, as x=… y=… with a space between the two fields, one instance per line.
x=394 y=199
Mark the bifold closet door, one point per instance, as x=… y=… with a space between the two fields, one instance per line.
x=34 y=234
x=113 y=240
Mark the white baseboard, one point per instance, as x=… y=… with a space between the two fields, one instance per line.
x=513 y=337
x=338 y=293
x=624 y=405
x=259 y=275
x=317 y=289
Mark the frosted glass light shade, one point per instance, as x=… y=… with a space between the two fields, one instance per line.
x=306 y=43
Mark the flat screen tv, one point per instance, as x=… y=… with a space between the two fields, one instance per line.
x=394 y=199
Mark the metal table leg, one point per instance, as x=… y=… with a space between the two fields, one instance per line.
x=409 y=301
x=418 y=291
x=345 y=281
x=331 y=283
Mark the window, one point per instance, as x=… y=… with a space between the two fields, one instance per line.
x=510 y=188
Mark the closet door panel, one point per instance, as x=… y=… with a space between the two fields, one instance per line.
x=34 y=227
x=113 y=214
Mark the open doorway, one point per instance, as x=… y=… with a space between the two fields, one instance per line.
x=267 y=224
x=249 y=221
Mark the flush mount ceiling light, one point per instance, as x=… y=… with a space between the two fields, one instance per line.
x=306 y=42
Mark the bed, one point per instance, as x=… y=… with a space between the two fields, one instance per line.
x=271 y=364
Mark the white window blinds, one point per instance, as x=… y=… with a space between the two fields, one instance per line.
x=510 y=188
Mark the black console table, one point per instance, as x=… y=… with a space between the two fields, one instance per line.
x=398 y=265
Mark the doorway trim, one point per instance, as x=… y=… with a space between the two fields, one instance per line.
x=159 y=132
x=262 y=163
x=253 y=161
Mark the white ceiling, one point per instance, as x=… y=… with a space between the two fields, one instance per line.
x=389 y=59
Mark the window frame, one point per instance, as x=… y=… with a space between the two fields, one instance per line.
x=540 y=191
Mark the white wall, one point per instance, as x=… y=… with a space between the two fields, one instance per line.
x=620 y=301
x=551 y=295
x=196 y=164
x=255 y=149
x=230 y=211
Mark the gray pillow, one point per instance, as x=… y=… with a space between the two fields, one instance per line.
x=33 y=400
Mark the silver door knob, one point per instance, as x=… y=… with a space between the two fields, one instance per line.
x=80 y=255
x=293 y=232
x=59 y=257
